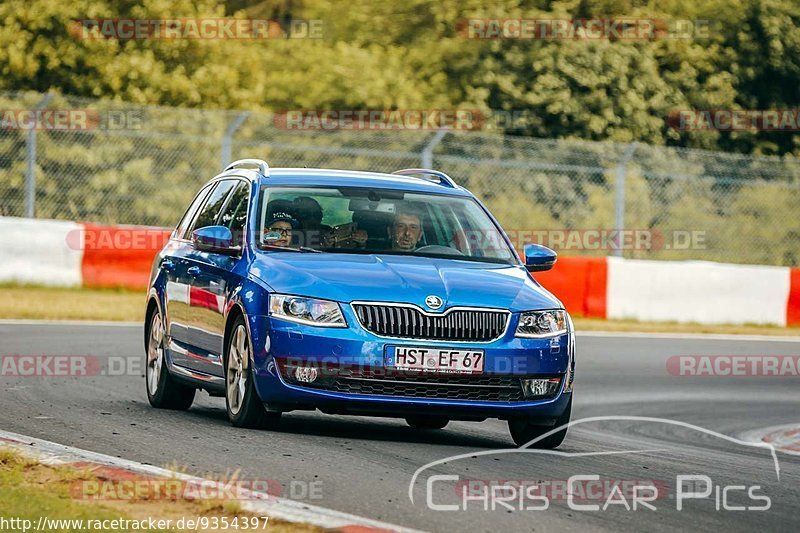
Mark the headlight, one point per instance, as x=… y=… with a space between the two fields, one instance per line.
x=310 y=311
x=540 y=324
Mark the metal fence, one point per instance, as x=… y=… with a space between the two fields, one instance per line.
x=111 y=162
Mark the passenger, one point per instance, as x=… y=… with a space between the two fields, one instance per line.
x=283 y=224
x=347 y=237
x=309 y=214
x=405 y=231
x=316 y=234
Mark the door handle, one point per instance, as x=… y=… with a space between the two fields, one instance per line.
x=168 y=265
x=193 y=271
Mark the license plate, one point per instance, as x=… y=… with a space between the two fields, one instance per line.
x=443 y=360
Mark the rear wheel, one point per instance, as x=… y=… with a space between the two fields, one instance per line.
x=241 y=399
x=522 y=431
x=163 y=390
x=427 y=422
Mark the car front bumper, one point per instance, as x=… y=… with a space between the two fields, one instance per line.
x=507 y=359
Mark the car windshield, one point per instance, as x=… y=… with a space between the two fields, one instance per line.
x=378 y=221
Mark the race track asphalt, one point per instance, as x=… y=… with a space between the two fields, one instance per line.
x=364 y=465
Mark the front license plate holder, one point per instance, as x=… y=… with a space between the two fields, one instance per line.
x=435 y=359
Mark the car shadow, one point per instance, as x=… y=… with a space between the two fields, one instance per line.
x=383 y=429
x=357 y=428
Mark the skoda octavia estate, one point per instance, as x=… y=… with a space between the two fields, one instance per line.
x=356 y=293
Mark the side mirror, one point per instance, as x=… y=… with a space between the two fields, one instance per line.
x=215 y=239
x=539 y=258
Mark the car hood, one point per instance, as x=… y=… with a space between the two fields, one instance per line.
x=400 y=278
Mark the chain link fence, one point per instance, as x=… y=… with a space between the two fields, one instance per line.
x=111 y=162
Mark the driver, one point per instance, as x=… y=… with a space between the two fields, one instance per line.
x=405 y=230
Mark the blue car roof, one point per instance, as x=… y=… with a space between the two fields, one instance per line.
x=352 y=178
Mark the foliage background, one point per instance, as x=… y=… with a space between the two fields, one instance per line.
x=590 y=99
x=381 y=54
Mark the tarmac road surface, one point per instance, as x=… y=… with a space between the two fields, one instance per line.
x=364 y=465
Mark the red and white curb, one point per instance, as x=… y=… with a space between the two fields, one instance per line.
x=255 y=502
x=785 y=438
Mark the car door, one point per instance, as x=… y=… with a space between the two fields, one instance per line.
x=210 y=277
x=179 y=290
x=177 y=281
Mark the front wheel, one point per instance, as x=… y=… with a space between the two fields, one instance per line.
x=163 y=390
x=244 y=407
x=522 y=431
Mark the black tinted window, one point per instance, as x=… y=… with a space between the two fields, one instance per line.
x=355 y=220
x=183 y=225
x=234 y=215
x=208 y=214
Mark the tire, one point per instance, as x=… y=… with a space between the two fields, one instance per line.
x=163 y=390
x=427 y=422
x=244 y=407
x=522 y=431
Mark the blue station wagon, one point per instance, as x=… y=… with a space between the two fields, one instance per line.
x=358 y=293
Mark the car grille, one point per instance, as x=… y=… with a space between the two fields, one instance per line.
x=486 y=389
x=410 y=384
x=472 y=325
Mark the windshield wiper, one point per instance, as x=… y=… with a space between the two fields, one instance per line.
x=291 y=248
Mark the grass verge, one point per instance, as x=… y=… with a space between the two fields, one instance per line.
x=50 y=303
x=30 y=490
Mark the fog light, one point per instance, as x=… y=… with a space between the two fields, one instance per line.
x=305 y=374
x=540 y=388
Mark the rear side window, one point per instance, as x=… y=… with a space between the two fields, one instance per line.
x=234 y=214
x=211 y=209
x=183 y=225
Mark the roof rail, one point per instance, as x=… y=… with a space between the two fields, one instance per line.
x=263 y=167
x=427 y=174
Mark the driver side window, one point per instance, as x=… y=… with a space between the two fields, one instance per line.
x=183 y=225
x=234 y=216
x=208 y=213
